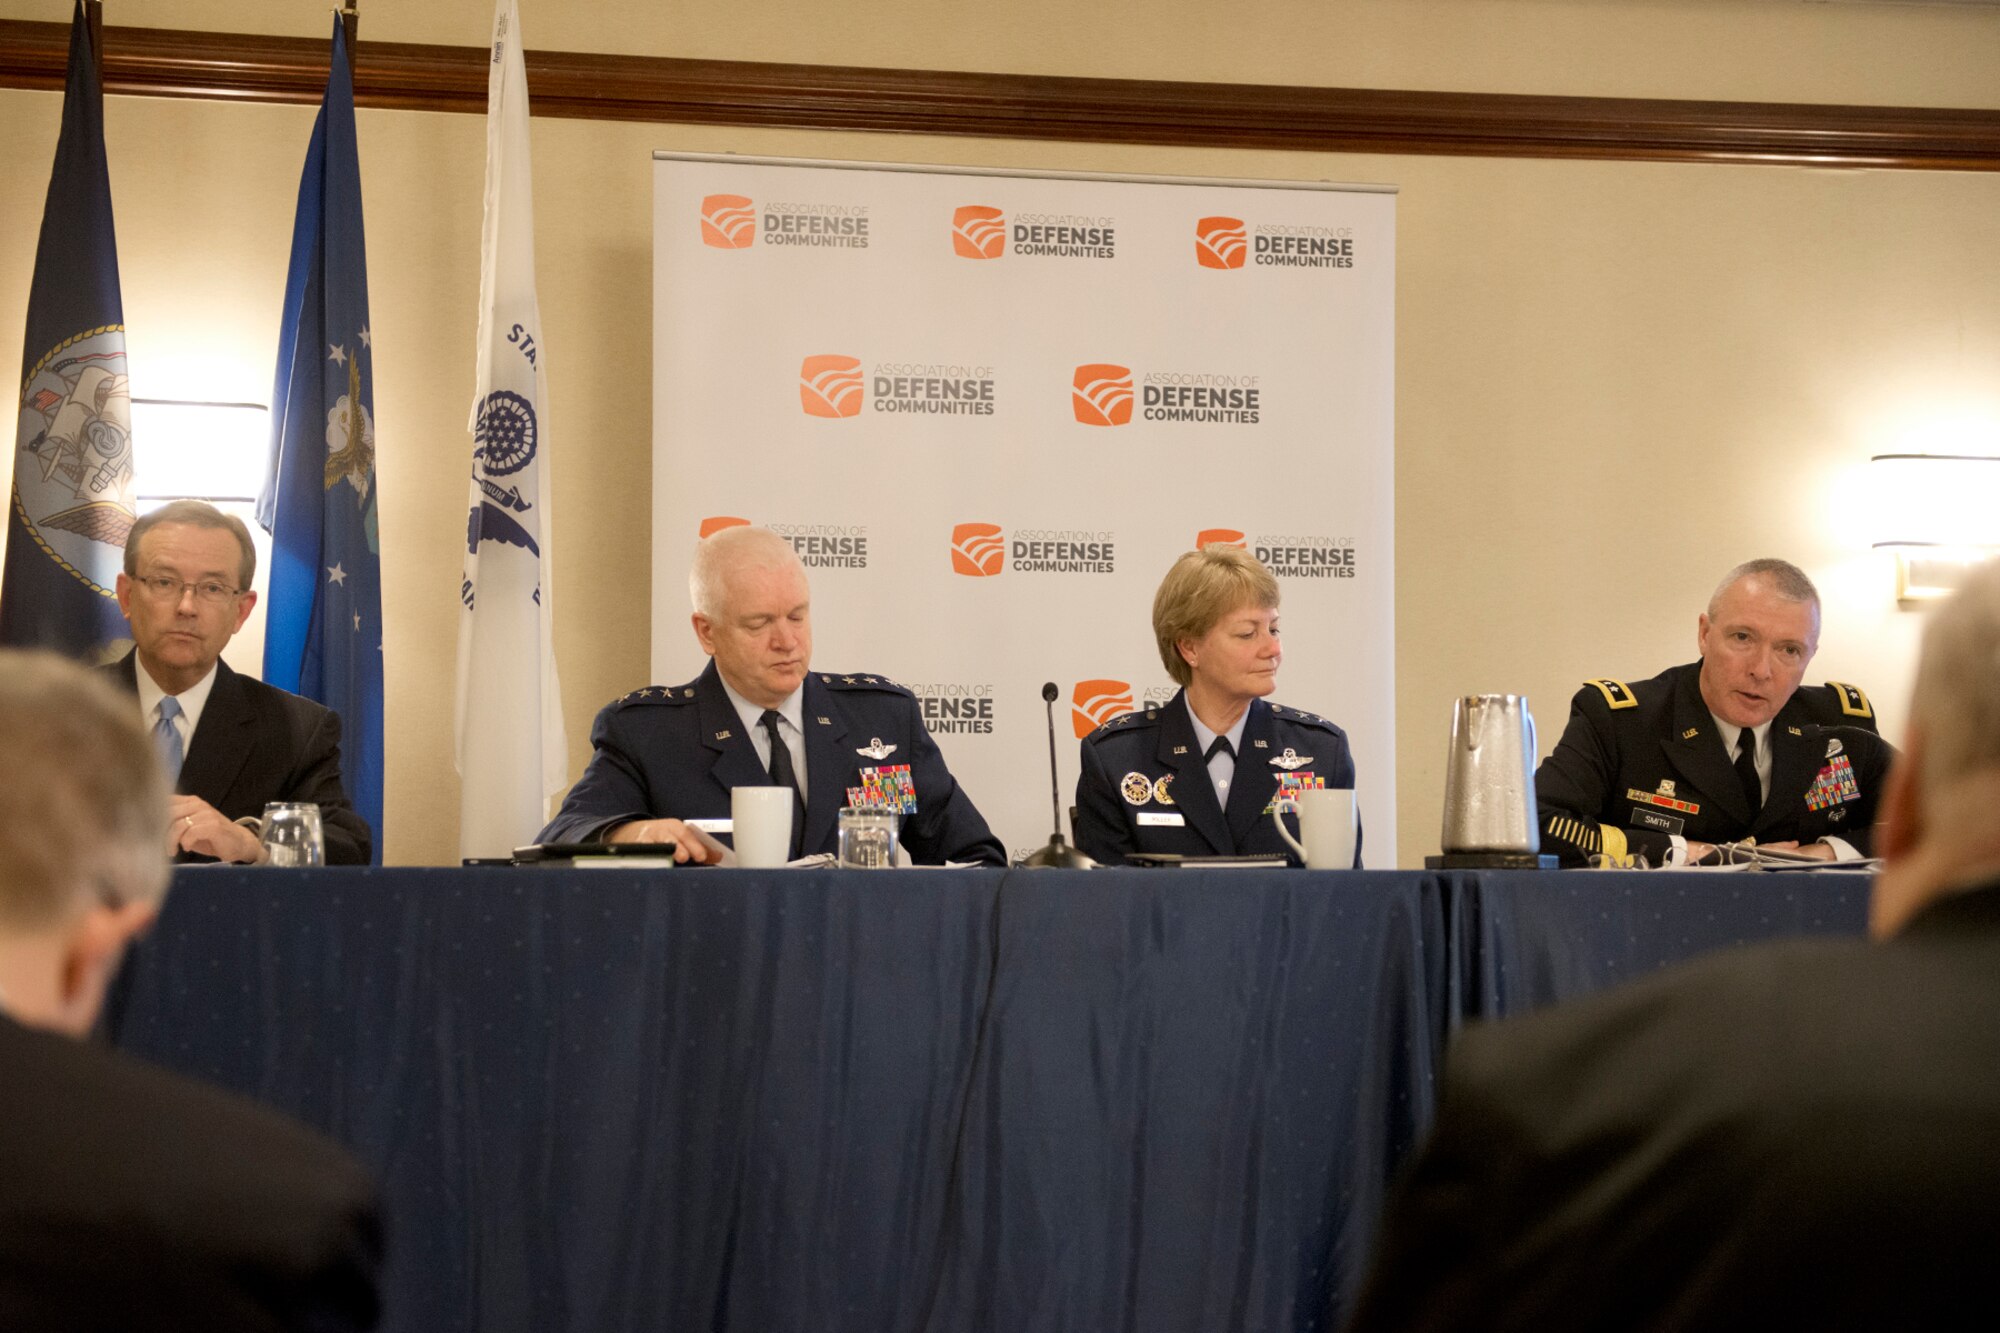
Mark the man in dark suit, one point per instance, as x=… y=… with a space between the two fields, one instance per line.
x=230 y=743
x=665 y=757
x=1721 y=750
x=130 y=1197
x=1804 y=1135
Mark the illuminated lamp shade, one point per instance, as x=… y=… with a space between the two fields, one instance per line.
x=1939 y=514
x=205 y=451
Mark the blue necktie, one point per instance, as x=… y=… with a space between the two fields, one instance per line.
x=168 y=737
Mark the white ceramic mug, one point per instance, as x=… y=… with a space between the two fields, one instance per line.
x=1327 y=822
x=763 y=821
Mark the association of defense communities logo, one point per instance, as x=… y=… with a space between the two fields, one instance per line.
x=1095 y=702
x=977 y=550
x=832 y=385
x=981 y=231
x=1220 y=242
x=978 y=231
x=1226 y=243
x=733 y=222
x=955 y=709
x=1101 y=394
x=1288 y=555
x=819 y=545
x=981 y=550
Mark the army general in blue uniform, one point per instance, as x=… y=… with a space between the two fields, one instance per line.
x=1721 y=750
x=1197 y=775
x=759 y=716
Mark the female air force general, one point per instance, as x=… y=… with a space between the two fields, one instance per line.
x=1198 y=774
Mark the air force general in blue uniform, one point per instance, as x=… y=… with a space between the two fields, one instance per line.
x=1147 y=787
x=676 y=751
x=664 y=757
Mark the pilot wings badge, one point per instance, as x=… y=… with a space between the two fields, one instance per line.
x=1291 y=759
x=875 y=749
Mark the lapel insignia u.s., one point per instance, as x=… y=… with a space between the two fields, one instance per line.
x=875 y=749
x=1136 y=788
x=1291 y=759
x=722 y=735
x=1180 y=749
x=1261 y=745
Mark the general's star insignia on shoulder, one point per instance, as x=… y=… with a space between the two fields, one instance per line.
x=875 y=749
x=1291 y=759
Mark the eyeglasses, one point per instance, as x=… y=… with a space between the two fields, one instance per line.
x=167 y=590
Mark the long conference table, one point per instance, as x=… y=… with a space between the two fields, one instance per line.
x=915 y=1100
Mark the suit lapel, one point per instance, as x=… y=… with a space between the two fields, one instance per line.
x=1255 y=781
x=829 y=761
x=1699 y=756
x=221 y=743
x=731 y=755
x=1795 y=762
x=1193 y=791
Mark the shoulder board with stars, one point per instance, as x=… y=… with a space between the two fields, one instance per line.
x=1301 y=715
x=1616 y=692
x=1853 y=703
x=1126 y=721
x=660 y=694
x=835 y=681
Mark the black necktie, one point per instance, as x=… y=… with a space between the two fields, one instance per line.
x=1746 y=769
x=1220 y=745
x=784 y=775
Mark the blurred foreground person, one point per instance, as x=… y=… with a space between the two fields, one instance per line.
x=1801 y=1135
x=130 y=1197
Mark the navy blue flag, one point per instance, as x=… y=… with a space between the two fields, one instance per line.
x=72 y=500
x=323 y=629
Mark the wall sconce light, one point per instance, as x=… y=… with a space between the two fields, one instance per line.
x=1939 y=514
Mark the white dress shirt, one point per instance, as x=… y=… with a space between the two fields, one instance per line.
x=791 y=725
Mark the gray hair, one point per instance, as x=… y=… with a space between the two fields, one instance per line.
x=197 y=514
x=721 y=553
x=83 y=820
x=1786 y=579
x=1957 y=697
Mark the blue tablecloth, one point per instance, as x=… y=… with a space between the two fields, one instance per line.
x=923 y=1100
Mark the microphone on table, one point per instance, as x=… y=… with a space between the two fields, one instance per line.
x=1057 y=855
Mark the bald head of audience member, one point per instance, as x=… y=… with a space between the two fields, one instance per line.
x=1938 y=833
x=82 y=870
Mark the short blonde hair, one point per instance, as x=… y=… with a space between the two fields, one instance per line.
x=1957 y=697
x=1202 y=588
x=83 y=819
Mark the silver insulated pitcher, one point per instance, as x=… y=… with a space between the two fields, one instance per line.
x=1489 y=783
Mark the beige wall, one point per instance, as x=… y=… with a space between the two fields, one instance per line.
x=1614 y=380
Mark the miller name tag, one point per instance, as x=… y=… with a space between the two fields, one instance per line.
x=1162 y=819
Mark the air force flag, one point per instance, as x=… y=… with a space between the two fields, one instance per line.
x=323 y=629
x=72 y=500
x=512 y=754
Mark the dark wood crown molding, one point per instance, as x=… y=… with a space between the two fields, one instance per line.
x=156 y=62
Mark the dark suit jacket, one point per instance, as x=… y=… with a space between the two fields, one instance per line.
x=1804 y=1135
x=133 y=1198
x=675 y=752
x=1158 y=744
x=258 y=743
x=1639 y=764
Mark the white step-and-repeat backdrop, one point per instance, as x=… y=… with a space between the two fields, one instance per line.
x=990 y=409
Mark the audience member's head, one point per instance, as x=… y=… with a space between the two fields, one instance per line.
x=82 y=864
x=1938 y=831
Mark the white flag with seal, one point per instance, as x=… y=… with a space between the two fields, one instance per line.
x=512 y=754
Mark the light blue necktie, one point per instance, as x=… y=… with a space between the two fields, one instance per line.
x=168 y=737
